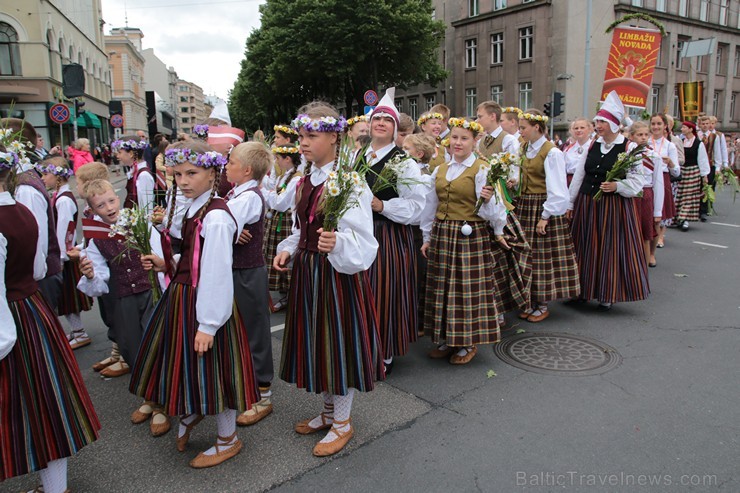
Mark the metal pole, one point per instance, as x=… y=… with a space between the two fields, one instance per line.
x=61 y=138
x=587 y=63
x=74 y=122
x=552 y=116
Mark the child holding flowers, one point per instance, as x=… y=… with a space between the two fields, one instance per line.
x=460 y=309
x=330 y=347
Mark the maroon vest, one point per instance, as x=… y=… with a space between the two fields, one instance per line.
x=309 y=195
x=189 y=237
x=249 y=255
x=125 y=267
x=19 y=227
x=69 y=195
x=132 y=196
x=53 y=255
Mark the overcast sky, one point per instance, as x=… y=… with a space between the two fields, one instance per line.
x=204 y=40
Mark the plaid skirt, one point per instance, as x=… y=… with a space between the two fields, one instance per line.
x=688 y=198
x=393 y=281
x=513 y=269
x=277 y=228
x=646 y=205
x=460 y=307
x=609 y=250
x=45 y=411
x=554 y=266
x=669 y=206
x=72 y=300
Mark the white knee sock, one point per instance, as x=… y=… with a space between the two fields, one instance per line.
x=342 y=410
x=184 y=422
x=75 y=321
x=226 y=422
x=328 y=411
x=54 y=477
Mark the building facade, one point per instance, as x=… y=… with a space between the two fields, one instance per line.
x=191 y=106
x=161 y=95
x=127 y=63
x=518 y=52
x=36 y=39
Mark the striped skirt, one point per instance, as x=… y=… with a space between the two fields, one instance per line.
x=669 y=206
x=331 y=341
x=421 y=278
x=45 y=411
x=393 y=281
x=72 y=300
x=609 y=250
x=688 y=198
x=277 y=228
x=646 y=210
x=169 y=372
x=554 y=266
x=513 y=269
x=460 y=306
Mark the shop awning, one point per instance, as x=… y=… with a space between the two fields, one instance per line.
x=88 y=120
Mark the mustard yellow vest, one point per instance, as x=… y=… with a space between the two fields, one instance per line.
x=494 y=145
x=457 y=197
x=533 y=170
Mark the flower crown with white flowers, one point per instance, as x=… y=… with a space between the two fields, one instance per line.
x=533 y=118
x=8 y=160
x=511 y=109
x=429 y=116
x=285 y=150
x=357 y=119
x=201 y=131
x=128 y=145
x=284 y=129
x=60 y=171
x=323 y=124
x=209 y=159
x=474 y=127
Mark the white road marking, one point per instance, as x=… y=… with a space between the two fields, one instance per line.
x=726 y=224
x=710 y=244
x=276 y=328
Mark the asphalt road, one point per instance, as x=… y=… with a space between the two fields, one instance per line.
x=664 y=419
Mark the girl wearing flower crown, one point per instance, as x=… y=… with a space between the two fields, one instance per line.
x=358 y=126
x=432 y=124
x=140 y=183
x=543 y=201
x=460 y=307
x=194 y=358
x=331 y=344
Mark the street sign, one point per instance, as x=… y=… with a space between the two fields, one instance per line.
x=368 y=109
x=371 y=98
x=59 y=113
x=116 y=121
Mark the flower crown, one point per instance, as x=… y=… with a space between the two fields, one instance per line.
x=60 y=171
x=511 y=109
x=356 y=119
x=323 y=124
x=284 y=150
x=284 y=129
x=8 y=160
x=209 y=159
x=201 y=131
x=128 y=145
x=533 y=118
x=429 y=116
x=475 y=127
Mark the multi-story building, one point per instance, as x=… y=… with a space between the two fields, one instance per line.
x=161 y=94
x=518 y=52
x=127 y=63
x=191 y=106
x=37 y=38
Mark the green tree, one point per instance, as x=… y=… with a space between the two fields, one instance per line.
x=333 y=50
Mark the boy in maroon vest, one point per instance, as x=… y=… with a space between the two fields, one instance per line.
x=248 y=164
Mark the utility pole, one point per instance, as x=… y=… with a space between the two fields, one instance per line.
x=587 y=63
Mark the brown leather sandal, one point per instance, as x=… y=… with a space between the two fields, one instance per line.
x=343 y=437
x=304 y=428
x=223 y=453
x=182 y=441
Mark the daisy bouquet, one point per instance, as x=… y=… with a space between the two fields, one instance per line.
x=626 y=163
x=344 y=184
x=498 y=166
x=391 y=176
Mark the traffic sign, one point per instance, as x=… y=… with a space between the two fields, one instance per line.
x=369 y=109
x=116 y=121
x=371 y=97
x=59 y=113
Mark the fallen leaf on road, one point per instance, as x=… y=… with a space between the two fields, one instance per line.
x=491 y=373
x=681 y=275
x=520 y=331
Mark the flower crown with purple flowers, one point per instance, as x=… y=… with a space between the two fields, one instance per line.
x=323 y=124
x=60 y=171
x=201 y=131
x=128 y=145
x=210 y=159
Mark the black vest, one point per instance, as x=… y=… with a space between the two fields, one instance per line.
x=388 y=193
x=597 y=166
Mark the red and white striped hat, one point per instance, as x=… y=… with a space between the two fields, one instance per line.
x=225 y=135
x=612 y=111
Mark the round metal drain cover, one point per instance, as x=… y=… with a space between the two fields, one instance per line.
x=557 y=354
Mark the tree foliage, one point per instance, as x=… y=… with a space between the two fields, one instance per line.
x=333 y=50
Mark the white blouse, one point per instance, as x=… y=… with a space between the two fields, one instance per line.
x=281 y=200
x=558 y=200
x=653 y=179
x=665 y=148
x=66 y=210
x=38 y=205
x=245 y=206
x=573 y=156
x=8 y=333
x=702 y=156
x=39 y=260
x=405 y=208
x=181 y=205
x=144 y=187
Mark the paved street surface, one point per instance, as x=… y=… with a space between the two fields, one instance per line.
x=664 y=419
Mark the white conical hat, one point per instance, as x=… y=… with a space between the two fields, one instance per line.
x=221 y=112
x=612 y=111
x=387 y=106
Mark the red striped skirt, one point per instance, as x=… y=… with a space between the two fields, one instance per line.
x=609 y=251
x=393 y=281
x=688 y=198
x=277 y=228
x=45 y=411
x=647 y=206
x=71 y=299
x=669 y=206
x=331 y=341
x=169 y=372
x=513 y=270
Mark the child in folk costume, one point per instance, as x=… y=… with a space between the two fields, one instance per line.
x=581 y=130
x=541 y=207
x=694 y=175
x=395 y=208
x=651 y=202
x=222 y=139
x=606 y=232
x=494 y=139
x=460 y=309
x=510 y=121
x=661 y=143
x=443 y=110
x=432 y=124
x=279 y=200
x=194 y=358
x=406 y=127
x=717 y=160
x=46 y=414
x=55 y=173
x=358 y=126
x=140 y=183
x=329 y=348
x=248 y=163
x=110 y=268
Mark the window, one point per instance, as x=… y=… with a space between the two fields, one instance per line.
x=679 y=60
x=431 y=100
x=660 y=6
x=737 y=62
x=499 y=4
x=525 y=95
x=472 y=8
x=184 y=109
x=526 y=38
x=10 y=58
x=497 y=48
x=733 y=98
x=715 y=104
x=471 y=102
x=183 y=99
x=655 y=99
x=399 y=104
x=704 y=10
x=497 y=94
x=659 y=58
x=720 y=66
x=637 y=3
x=186 y=130
x=676 y=110
x=186 y=119
x=683 y=8
x=723 y=12
x=434 y=14
x=413 y=108
x=471 y=53
x=183 y=88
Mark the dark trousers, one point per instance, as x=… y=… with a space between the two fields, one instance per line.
x=130 y=317
x=51 y=288
x=251 y=294
x=711 y=178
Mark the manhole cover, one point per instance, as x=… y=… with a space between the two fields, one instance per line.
x=557 y=354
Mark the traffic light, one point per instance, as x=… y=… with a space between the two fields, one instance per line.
x=548 y=109
x=79 y=107
x=557 y=104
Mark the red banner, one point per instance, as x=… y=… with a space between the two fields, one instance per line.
x=629 y=70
